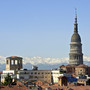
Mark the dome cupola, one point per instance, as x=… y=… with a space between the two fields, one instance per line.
x=75 y=38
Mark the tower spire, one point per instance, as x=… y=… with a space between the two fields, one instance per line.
x=75 y=55
x=75 y=24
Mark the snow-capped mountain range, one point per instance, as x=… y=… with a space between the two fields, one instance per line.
x=42 y=63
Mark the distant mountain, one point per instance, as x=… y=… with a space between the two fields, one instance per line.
x=42 y=63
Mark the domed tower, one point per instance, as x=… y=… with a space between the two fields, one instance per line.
x=75 y=55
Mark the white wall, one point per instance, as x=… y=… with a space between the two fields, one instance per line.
x=25 y=76
x=9 y=71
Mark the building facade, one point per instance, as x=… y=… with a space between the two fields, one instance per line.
x=82 y=70
x=35 y=75
x=62 y=81
x=4 y=74
x=13 y=63
x=0 y=79
x=55 y=75
x=77 y=70
x=75 y=55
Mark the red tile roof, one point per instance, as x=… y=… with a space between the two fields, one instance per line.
x=82 y=66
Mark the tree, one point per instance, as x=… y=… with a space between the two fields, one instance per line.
x=8 y=80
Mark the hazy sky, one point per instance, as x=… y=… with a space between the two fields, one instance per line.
x=42 y=27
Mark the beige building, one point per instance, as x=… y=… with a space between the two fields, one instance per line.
x=13 y=63
x=77 y=70
x=82 y=70
x=35 y=75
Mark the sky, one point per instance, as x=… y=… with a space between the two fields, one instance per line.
x=42 y=27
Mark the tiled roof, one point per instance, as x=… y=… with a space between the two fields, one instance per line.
x=14 y=57
x=82 y=66
x=70 y=65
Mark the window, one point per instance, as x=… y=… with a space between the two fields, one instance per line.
x=21 y=77
x=19 y=61
x=30 y=76
x=15 y=62
x=12 y=62
x=35 y=76
x=35 y=72
x=7 y=61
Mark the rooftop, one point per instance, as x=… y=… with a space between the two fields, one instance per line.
x=14 y=57
x=82 y=66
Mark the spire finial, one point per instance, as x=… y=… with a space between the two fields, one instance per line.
x=75 y=12
x=75 y=24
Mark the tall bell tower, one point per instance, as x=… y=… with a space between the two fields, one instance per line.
x=75 y=55
x=14 y=63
